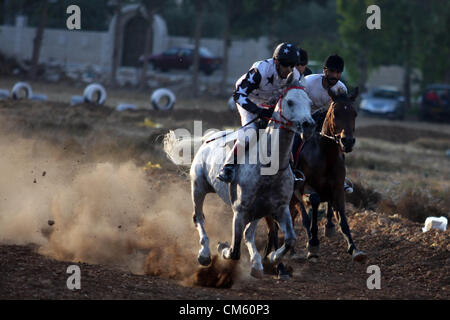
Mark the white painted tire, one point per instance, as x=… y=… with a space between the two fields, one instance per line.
x=21 y=86
x=126 y=106
x=231 y=104
x=93 y=89
x=158 y=94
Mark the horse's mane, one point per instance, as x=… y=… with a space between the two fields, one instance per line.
x=329 y=119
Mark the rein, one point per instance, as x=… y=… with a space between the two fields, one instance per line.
x=225 y=134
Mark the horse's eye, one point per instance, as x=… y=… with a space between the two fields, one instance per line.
x=290 y=103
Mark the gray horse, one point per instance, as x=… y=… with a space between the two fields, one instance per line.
x=252 y=194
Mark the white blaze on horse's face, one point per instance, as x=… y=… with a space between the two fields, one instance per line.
x=296 y=107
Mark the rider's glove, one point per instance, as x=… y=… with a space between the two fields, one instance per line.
x=264 y=113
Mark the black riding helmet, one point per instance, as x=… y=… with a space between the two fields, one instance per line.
x=287 y=54
x=335 y=62
x=303 y=58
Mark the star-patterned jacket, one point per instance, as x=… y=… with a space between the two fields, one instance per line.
x=259 y=85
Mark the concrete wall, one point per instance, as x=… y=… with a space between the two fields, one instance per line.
x=79 y=49
x=59 y=46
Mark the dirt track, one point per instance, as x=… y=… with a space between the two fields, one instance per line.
x=414 y=265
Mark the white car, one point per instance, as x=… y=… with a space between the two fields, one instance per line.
x=383 y=101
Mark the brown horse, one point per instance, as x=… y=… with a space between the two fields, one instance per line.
x=321 y=159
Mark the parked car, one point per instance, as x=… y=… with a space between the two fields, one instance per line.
x=383 y=101
x=183 y=58
x=435 y=102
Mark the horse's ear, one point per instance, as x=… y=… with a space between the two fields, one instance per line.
x=332 y=95
x=295 y=83
x=290 y=78
x=354 y=94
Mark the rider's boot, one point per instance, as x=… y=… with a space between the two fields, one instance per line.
x=227 y=173
x=228 y=170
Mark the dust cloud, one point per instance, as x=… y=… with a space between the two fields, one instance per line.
x=111 y=212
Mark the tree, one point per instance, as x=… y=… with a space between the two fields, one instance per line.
x=405 y=38
x=226 y=44
x=37 y=43
x=356 y=38
x=151 y=7
x=197 y=35
x=115 y=55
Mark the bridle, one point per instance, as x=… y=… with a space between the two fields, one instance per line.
x=336 y=138
x=285 y=123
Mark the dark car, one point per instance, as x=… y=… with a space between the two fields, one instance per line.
x=183 y=58
x=384 y=102
x=435 y=102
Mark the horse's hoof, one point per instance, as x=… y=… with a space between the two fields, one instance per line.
x=282 y=273
x=273 y=258
x=314 y=250
x=359 y=256
x=297 y=257
x=313 y=257
x=257 y=273
x=221 y=246
x=283 y=277
x=204 y=261
x=269 y=267
x=330 y=232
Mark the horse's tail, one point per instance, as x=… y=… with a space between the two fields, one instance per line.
x=175 y=148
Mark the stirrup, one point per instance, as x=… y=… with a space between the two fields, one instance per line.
x=348 y=186
x=299 y=176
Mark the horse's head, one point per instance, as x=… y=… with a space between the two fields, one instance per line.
x=340 y=119
x=293 y=109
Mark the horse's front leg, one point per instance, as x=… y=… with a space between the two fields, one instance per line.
x=306 y=221
x=357 y=255
x=272 y=236
x=255 y=257
x=330 y=230
x=198 y=197
x=313 y=243
x=234 y=252
x=285 y=222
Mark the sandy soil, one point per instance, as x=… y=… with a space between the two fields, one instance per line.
x=414 y=265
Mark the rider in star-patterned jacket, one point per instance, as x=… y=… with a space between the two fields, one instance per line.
x=257 y=87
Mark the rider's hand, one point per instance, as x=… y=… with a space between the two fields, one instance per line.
x=273 y=101
x=265 y=113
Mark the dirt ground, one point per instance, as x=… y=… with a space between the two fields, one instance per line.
x=413 y=264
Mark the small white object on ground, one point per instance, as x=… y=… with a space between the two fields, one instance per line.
x=126 y=106
x=38 y=97
x=435 y=223
x=4 y=94
x=76 y=100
